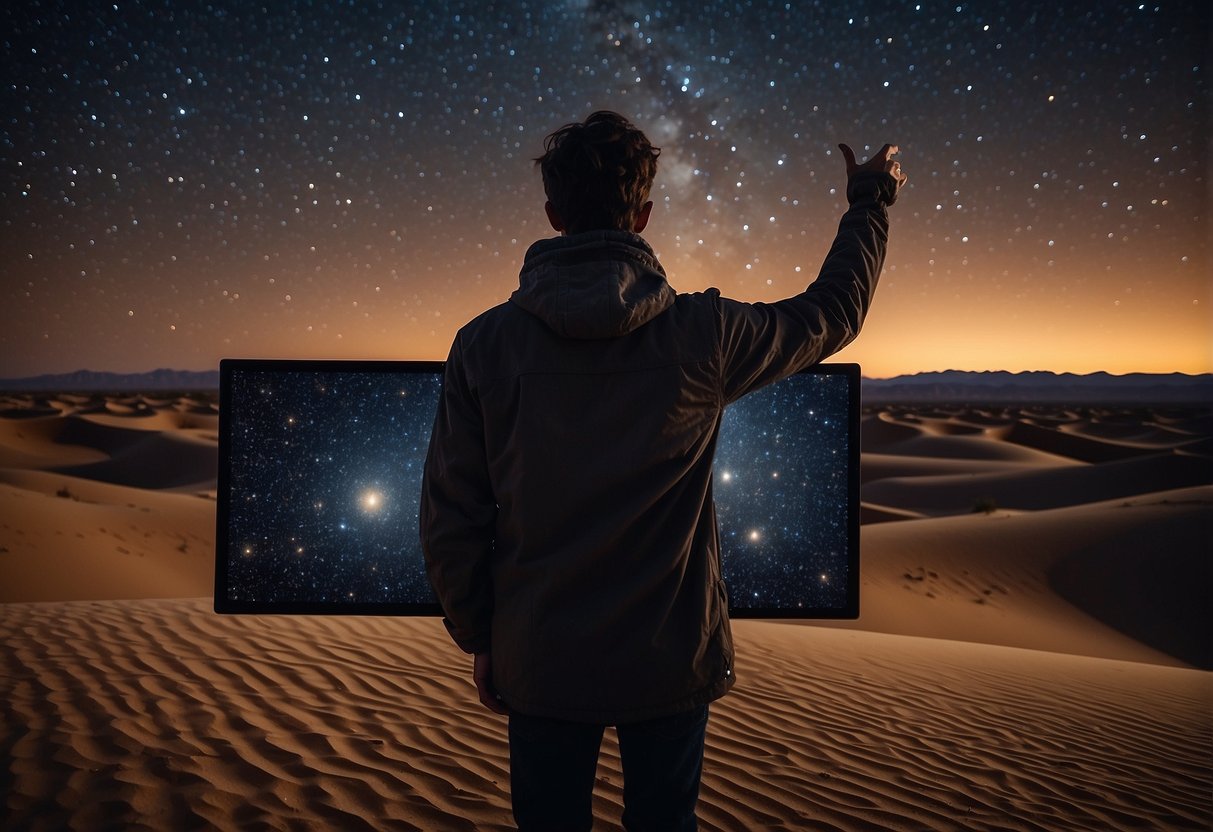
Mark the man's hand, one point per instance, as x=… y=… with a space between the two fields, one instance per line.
x=482 y=675
x=882 y=162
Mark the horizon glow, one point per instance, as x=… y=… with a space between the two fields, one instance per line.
x=354 y=182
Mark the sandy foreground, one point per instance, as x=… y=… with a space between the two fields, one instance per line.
x=1033 y=650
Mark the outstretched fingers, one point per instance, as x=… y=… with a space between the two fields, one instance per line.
x=892 y=166
x=881 y=162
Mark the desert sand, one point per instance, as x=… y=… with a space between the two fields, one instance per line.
x=1033 y=650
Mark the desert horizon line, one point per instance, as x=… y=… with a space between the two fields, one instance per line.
x=934 y=386
x=86 y=371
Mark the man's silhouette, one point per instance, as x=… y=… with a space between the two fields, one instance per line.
x=566 y=515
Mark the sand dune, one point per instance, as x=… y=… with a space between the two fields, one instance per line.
x=161 y=713
x=1122 y=579
x=869 y=513
x=986 y=447
x=87 y=502
x=65 y=538
x=881 y=429
x=1040 y=664
x=167 y=446
x=35 y=442
x=1074 y=445
x=156 y=461
x=1157 y=434
x=1108 y=436
x=879 y=466
x=955 y=461
x=1034 y=488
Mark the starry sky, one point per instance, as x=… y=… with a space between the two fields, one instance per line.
x=325 y=482
x=324 y=486
x=782 y=478
x=185 y=181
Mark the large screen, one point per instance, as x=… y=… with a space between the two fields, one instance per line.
x=320 y=483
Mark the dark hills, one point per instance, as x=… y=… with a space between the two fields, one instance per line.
x=954 y=386
x=958 y=386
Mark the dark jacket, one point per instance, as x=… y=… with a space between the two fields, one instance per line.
x=566 y=511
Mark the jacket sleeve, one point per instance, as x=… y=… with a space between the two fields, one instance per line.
x=764 y=342
x=458 y=512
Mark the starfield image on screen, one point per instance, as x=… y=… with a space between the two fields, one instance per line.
x=782 y=485
x=320 y=481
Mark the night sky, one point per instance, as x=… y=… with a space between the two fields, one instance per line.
x=325 y=485
x=326 y=471
x=781 y=487
x=183 y=182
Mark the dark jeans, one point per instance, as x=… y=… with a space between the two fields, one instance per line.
x=552 y=765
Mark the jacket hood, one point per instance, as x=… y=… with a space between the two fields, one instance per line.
x=599 y=284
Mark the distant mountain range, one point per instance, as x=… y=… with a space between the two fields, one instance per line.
x=92 y=381
x=1045 y=387
x=958 y=386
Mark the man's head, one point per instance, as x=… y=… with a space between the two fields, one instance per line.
x=597 y=175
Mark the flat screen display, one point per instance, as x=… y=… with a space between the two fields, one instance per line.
x=320 y=483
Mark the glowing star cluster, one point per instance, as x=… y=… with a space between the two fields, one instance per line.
x=324 y=505
x=326 y=498
x=371 y=501
x=781 y=495
x=354 y=179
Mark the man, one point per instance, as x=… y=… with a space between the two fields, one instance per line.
x=567 y=517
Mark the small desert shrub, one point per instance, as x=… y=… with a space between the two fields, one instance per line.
x=985 y=505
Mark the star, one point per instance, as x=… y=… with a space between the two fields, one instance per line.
x=371 y=501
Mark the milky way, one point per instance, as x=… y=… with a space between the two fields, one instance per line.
x=325 y=482
x=186 y=181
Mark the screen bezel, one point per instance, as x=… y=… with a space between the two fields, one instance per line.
x=223 y=604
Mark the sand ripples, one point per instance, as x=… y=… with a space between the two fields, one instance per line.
x=163 y=715
x=179 y=718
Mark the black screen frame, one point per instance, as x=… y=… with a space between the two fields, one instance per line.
x=223 y=544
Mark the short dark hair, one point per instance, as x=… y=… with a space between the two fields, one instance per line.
x=598 y=173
